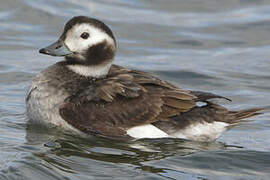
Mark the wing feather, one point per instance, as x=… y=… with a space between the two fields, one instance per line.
x=126 y=98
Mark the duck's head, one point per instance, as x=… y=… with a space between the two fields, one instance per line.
x=88 y=46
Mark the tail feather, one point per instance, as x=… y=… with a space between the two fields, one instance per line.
x=236 y=116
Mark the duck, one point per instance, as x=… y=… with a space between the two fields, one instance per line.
x=86 y=93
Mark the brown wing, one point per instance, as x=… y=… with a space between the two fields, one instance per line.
x=126 y=98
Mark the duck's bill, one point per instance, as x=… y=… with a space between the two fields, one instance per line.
x=56 y=49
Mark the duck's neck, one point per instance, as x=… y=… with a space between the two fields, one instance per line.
x=95 y=71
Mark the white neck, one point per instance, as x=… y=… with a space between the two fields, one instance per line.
x=91 y=71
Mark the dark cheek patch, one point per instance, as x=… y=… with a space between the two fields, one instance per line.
x=99 y=53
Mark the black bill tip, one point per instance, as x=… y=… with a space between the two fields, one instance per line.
x=44 y=51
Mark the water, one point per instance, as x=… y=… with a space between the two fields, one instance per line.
x=217 y=46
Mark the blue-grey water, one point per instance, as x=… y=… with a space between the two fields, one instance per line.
x=217 y=46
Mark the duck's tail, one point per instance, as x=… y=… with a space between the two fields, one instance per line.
x=230 y=117
x=236 y=116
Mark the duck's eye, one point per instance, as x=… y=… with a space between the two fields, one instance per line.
x=85 y=35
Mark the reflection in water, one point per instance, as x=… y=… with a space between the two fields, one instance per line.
x=167 y=157
x=64 y=150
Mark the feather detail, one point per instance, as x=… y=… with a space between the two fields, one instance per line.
x=126 y=98
x=183 y=105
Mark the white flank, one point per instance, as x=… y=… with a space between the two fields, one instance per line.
x=91 y=71
x=196 y=132
x=146 y=131
x=202 y=131
x=76 y=44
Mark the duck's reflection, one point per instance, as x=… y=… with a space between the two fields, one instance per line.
x=65 y=151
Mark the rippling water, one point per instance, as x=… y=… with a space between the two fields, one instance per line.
x=217 y=46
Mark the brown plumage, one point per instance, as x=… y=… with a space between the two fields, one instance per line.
x=128 y=98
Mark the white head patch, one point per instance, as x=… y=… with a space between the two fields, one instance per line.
x=77 y=44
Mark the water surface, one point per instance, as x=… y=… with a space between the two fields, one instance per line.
x=217 y=46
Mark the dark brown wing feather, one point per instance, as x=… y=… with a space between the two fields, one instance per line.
x=205 y=96
x=126 y=98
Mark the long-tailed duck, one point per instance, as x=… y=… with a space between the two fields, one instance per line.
x=86 y=93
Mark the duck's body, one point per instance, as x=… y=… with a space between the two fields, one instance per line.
x=86 y=94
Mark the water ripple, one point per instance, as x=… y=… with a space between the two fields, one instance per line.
x=217 y=46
